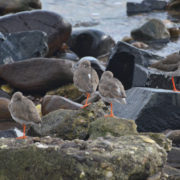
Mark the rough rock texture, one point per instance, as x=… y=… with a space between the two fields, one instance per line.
x=4 y=111
x=90 y=43
x=154 y=110
x=173 y=173
x=174 y=157
x=58 y=29
x=69 y=91
x=12 y=6
x=174 y=135
x=145 y=6
x=127 y=157
x=53 y=102
x=123 y=59
x=69 y=124
x=113 y=126
x=153 y=30
x=37 y=74
x=23 y=45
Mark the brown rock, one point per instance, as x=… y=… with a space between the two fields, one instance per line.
x=37 y=74
x=140 y=45
x=4 y=111
x=53 y=102
x=174 y=135
x=174 y=32
x=58 y=30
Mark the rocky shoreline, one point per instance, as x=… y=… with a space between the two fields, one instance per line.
x=38 y=51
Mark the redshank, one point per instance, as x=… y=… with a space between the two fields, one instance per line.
x=111 y=90
x=171 y=66
x=23 y=111
x=86 y=79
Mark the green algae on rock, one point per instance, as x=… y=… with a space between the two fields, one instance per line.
x=110 y=158
x=114 y=126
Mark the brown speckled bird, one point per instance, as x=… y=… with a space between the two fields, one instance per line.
x=111 y=90
x=23 y=111
x=171 y=66
x=86 y=79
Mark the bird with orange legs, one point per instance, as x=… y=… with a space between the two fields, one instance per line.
x=23 y=111
x=85 y=79
x=111 y=90
x=171 y=67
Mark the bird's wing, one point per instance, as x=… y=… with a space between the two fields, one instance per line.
x=95 y=79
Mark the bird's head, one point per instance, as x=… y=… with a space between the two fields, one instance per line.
x=107 y=74
x=17 y=96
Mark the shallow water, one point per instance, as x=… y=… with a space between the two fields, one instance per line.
x=108 y=16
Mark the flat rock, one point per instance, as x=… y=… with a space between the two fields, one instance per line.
x=104 y=158
x=122 y=62
x=154 y=110
x=90 y=42
x=174 y=157
x=69 y=124
x=23 y=45
x=145 y=6
x=57 y=28
x=37 y=74
x=4 y=111
x=8 y=134
x=173 y=173
x=154 y=31
x=53 y=102
x=13 y=6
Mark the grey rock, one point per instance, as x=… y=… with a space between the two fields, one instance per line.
x=8 y=134
x=90 y=43
x=174 y=157
x=154 y=110
x=145 y=6
x=152 y=31
x=4 y=94
x=23 y=45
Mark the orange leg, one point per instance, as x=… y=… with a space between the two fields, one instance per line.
x=174 y=86
x=86 y=104
x=112 y=114
x=24 y=130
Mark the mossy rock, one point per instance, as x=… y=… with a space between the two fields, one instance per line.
x=114 y=126
x=69 y=91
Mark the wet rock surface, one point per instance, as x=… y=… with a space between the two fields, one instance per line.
x=23 y=45
x=90 y=42
x=37 y=74
x=12 y=6
x=53 y=102
x=154 y=110
x=103 y=158
x=57 y=28
x=145 y=6
x=153 y=30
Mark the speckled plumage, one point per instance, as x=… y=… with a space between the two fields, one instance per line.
x=23 y=110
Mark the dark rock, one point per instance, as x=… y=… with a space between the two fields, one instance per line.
x=69 y=124
x=173 y=173
x=37 y=74
x=145 y=6
x=174 y=32
x=8 y=134
x=174 y=135
x=173 y=5
x=90 y=43
x=13 y=6
x=113 y=126
x=104 y=158
x=58 y=30
x=4 y=94
x=122 y=62
x=154 y=110
x=174 y=157
x=53 y=102
x=68 y=55
x=152 y=31
x=96 y=65
x=4 y=111
x=23 y=45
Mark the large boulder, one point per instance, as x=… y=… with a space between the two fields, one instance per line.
x=90 y=42
x=4 y=94
x=173 y=5
x=12 y=6
x=154 y=31
x=37 y=74
x=145 y=6
x=154 y=110
x=23 y=45
x=57 y=28
x=126 y=157
x=4 y=111
x=123 y=63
